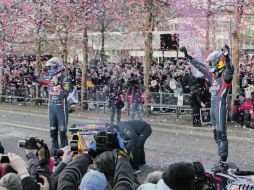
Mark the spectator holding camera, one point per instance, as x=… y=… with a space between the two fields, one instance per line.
x=115 y=99
x=70 y=177
x=38 y=159
x=135 y=91
x=67 y=157
x=116 y=167
x=18 y=166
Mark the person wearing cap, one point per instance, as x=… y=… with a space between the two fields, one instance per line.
x=219 y=72
x=178 y=176
x=115 y=94
x=11 y=181
x=93 y=180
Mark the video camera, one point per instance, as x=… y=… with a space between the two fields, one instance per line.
x=56 y=152
x=106 y=141
x=31 y=143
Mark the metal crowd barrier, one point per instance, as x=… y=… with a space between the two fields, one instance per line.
x=157 y=101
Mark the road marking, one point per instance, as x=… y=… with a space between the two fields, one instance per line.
x=24 y=126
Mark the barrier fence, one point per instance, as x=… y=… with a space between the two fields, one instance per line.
x=96 y=99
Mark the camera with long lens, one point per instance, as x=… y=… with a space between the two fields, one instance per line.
x=106 y=141
x=31 y=143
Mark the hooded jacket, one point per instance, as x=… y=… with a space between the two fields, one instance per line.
x=72 y=174
x=150 y=186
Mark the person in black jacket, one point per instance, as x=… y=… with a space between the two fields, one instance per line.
x=38 y=162
x=66 y=159
x=72 y=174
x=115 y=101
x=135 y=133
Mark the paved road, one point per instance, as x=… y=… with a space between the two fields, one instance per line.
x=165 y=146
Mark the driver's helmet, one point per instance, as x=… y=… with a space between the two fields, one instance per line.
x=216 y=61
x=54 y=66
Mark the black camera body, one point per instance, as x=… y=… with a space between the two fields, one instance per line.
x=39 y=172
x=31 y=143
x=57 y=153
x=106 y=141
x=5 y=159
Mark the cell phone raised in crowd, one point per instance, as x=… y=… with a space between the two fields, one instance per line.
x=74 y=146
x=5 y=159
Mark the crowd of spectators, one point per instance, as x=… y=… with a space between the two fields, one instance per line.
x=16 y=74
x=172 y=77
x=107 y=170
x=175 y=76
x=244 y=100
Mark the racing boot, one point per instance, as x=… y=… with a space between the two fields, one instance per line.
x=54 y=138
x=220 y=167
x=63 y=139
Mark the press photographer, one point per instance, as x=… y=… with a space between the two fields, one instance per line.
x=16 y=176
x=106 y=152
x=135 y=92
x=38 y=158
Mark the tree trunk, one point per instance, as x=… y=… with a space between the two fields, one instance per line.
x=38 y=63
x=65 y=49
x=207 y=36
x=84 y=70
x=236 y=47
x=1 y=81
x=103 y=42
x=38 y=53
x=148 y=49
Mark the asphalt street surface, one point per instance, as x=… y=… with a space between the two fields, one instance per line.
x=165 y=146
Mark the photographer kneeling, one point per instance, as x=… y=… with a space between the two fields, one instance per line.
x=135 y=133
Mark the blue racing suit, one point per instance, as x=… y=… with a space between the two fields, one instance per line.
x=220 y=85
x=57 y=108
